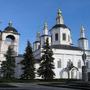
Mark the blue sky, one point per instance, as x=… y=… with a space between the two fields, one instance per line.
x=28 y=16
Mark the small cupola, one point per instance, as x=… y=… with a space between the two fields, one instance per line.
x=59 y=18
x=83 y=41
x=60 y=33
x=45 y=29
x=10 y=28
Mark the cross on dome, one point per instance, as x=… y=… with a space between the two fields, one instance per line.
x=82 y=28
x=82 y=32
x=45 y=25
x=59 y=12
x=10 y=23
x=59 y=18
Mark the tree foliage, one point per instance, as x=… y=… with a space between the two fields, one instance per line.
x=8 y=66
x=46 y=63
x=28 y=63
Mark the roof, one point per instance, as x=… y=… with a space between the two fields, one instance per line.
x=67 y=47
x=36 y=42
x=44 y=35
x=9 y=29
x=82 y=38
x=0 y=31
x=59 y=25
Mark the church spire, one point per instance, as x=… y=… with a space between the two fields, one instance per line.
x=10 y=23
x=83 y=41
x=38 y=36
x=45 y=30
x=82 y=32
x=59 y=18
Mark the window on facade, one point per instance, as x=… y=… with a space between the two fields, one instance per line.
x=10 y=39
x=56 y=37
x=64 y=36
x=79 y=64
x=38 y=46
x=59 y=63
x=68 y=38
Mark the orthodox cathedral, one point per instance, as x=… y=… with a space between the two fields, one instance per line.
x=60 y=40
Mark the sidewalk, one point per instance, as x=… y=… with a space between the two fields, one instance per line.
x=25 y=86
x=83 y=86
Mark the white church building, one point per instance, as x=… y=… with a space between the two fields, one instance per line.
x=8 y=37
x=60 y=40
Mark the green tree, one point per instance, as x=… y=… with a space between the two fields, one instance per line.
x=8 y=66
x=28 y=63
x=46 y=63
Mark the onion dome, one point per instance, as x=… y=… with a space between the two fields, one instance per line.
x=10 y=29
x=59 y=21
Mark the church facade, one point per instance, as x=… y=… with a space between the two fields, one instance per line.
x=60 y=40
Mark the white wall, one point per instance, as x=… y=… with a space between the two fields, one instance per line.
x=18 y=70
x=65 y=56
x=60 y=32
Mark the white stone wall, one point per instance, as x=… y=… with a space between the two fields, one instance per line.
x=65 y=56
x=60 y=32
x=4 y=45
x=59 y=54
x=83 y=44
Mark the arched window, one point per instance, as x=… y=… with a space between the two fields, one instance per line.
x=38 y=46
x=68 y=38
x=59 y=63
x=10 y=39
x=56 y=37
x=64 y=36
x=79 y=64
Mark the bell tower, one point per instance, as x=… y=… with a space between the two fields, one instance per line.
x=9 y=37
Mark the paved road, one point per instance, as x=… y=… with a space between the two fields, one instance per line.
x=27 y=86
